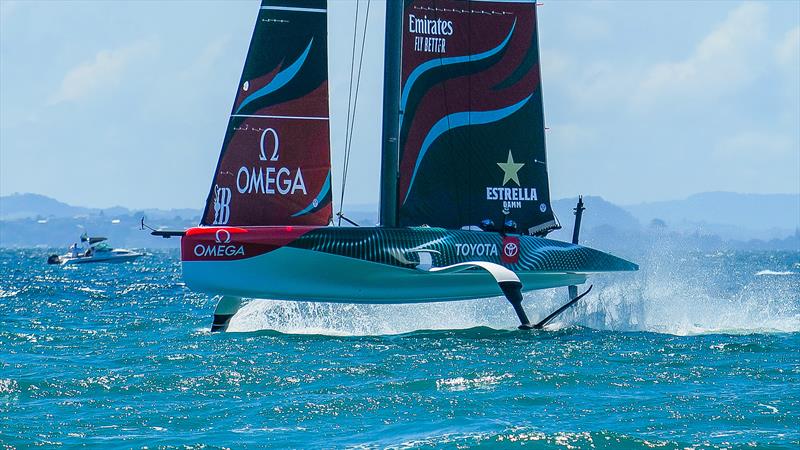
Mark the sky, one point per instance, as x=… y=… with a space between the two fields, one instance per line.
x=126 y=103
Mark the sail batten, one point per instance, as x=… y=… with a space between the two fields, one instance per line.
x=472 y=143
x=275 y=163
x=294 y=8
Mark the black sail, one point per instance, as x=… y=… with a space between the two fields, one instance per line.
x=275 y=163
x=472 y=143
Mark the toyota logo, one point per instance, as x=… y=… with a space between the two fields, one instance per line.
x=223 y=236
x=510 y=249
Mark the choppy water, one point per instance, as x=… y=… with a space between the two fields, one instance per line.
x=696 y=350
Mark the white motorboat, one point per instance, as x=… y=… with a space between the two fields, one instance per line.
x=94 y=250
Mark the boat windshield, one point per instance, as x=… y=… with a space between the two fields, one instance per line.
x=103 y=247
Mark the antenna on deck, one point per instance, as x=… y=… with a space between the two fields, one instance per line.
x=578 y=210
x=576 y=231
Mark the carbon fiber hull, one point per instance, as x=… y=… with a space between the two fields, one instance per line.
x=376 y=265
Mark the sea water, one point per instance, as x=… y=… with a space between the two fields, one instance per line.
x=694 y=351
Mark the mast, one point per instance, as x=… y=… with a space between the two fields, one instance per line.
x=390 y=142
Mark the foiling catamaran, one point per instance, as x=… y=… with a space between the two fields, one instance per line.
x=464 y=200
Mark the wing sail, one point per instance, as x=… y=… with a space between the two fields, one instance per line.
x=275 y=164
x=472 y=144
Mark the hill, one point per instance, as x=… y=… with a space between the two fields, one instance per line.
x=728 y=214
x=704 y=221
x=25 y=206
x=35 y=206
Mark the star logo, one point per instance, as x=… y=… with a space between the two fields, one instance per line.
x=510 y=169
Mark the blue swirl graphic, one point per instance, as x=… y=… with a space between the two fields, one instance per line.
x=439 y=62
x=457 y=120
x=326 y=187
x=280 y=80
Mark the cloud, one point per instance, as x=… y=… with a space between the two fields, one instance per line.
x=106 y=69
x=588 y=28
x=555 y=64
x=761 y=160
x=207 y=58
x=721 y=63
x=755 y=145
x=603 y=83
x=787 y=52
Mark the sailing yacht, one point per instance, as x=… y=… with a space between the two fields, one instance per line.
x=465 y=203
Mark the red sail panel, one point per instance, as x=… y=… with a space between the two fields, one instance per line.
x=275 y=164
x=472 y=141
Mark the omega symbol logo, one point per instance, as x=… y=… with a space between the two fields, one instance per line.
x=223 y=236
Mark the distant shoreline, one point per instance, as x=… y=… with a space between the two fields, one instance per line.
x=707 y=221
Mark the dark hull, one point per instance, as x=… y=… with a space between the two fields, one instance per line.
x=377 y=265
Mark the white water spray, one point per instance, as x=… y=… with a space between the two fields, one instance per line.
x=676 y=291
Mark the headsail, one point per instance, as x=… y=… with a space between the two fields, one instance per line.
x=472 y=144
x=274 y=168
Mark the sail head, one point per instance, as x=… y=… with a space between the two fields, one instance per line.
x=275 y=164
x=472 y=144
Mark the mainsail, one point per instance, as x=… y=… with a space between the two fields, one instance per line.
x=472 y=144
x=275 y=164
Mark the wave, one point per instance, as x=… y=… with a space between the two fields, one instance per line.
x=341 y=320
x=479 y=333
x=528 y=437
x=774 y=272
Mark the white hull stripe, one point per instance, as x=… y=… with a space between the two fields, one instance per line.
x=292 y=8
x=280 y=117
